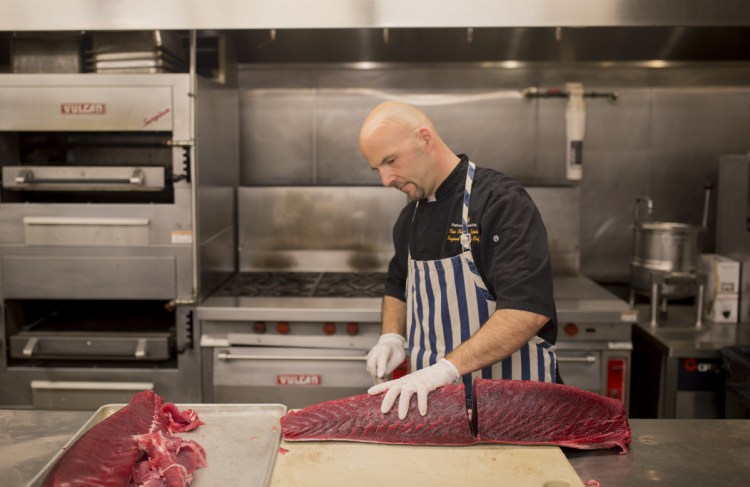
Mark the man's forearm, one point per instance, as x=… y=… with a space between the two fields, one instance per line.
x=393 y=315
x=504 y=333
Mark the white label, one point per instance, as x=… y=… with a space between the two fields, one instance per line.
x=182 y=237
x=620 y=345
x=630 y=315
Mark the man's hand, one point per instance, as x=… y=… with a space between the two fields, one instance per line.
x=386 y=355
x=421 y=382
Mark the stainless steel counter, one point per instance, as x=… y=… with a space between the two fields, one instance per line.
x=663 y=452
x=678 y=369
x=673 y=452
x=30 y=438
x=679 y=337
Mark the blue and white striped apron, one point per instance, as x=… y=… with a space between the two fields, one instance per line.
x=447 y=302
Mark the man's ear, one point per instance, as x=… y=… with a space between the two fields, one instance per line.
x=425 y=136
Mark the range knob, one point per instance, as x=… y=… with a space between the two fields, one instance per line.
x=571 y=329
x=329 y=328
x=282 y=327
x=352 y=328
x=259 y=327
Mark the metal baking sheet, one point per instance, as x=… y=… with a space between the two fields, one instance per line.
x=241 y=442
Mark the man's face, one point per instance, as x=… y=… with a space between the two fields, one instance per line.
x=400 y=159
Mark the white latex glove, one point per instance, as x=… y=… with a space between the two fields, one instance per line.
x=386 y=355
x=421 y=382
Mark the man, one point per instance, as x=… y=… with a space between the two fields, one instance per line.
x=470 y=284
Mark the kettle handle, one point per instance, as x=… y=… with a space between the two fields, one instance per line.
x=706 y=198
x=636 y=210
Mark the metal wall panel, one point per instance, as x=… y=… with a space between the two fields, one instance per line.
x=616 y=160
x=661 y=138
x=317 y=229
x=277 y=134
x=560 y=210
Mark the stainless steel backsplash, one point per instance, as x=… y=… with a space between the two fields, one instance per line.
x=661 y=138
x=348 y=228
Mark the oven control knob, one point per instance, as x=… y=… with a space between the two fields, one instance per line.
x=282 y=327
x=352 y=328
x=571 y=329
x=259 y=327
x=329 y=328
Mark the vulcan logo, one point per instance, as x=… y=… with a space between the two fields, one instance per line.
x=83 y=108
x=298 y=380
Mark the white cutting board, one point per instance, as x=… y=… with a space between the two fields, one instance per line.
x=346 y=464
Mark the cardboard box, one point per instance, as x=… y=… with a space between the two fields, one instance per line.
x=721 y=298
x=722 y=309
x=722 y=274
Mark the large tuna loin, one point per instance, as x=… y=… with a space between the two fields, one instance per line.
x=358 y=418
x=536 y=413
x=130 y=442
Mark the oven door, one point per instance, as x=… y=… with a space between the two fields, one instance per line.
x=297 y=377
x=602 y=371
x=581 y=368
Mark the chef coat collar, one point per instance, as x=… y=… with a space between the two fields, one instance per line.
x=457 y=176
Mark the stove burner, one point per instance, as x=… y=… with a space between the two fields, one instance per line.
x=305 y=284
x=351 y=285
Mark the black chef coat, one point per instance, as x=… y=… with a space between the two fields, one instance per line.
x=509 y=241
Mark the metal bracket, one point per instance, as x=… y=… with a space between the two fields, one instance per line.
x=535 y=92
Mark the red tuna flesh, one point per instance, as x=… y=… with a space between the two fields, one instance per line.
x=358 y=418
x=168 y=460
x=107 y=454
x=505 y=412
x=186 y=420
x=536 y=413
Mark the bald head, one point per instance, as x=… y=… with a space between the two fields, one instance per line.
x=401 y=143
x=396 y=116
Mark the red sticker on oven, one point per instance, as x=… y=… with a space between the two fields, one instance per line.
x=83 y=108
x=298 y=380
x=155 y=117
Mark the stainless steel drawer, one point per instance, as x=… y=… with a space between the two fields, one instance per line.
x=76 y=277
x=83 y=395
x=297 y=377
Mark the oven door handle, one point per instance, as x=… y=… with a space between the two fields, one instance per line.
x=30 y=347
x=26 y=176
x=249 y=356
x=588 y=359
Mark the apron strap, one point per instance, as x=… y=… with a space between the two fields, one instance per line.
x=465 y=235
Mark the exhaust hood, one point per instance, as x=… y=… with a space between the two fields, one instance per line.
x=493 y=44
x=424 y=31
x=47 y=15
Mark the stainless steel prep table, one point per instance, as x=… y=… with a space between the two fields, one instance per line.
x=663 y=452
x=678 y=369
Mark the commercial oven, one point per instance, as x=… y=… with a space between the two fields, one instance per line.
x=295 y=324
x=117 y=214
x=300 y=338
x=594 y=338
x=275 y=343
